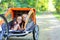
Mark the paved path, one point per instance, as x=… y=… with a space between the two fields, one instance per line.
x=49 y=27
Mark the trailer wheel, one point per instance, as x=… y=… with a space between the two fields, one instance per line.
x=36 y=33
x=4 y=31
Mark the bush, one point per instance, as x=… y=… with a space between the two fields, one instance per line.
x=57 y=6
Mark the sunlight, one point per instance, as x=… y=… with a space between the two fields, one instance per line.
x=0 y=1
x=51 y=6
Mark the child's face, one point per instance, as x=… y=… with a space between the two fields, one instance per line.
x=19 y=19
x=24 y=17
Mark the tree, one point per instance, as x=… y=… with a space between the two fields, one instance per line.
x=57 y=6
x=39 y=5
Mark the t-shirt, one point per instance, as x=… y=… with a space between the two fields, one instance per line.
x=11 y=23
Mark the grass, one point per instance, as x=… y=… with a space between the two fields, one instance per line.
x=57 y=15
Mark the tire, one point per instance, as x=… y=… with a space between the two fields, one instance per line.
x=5 y=37
x=36 y=33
